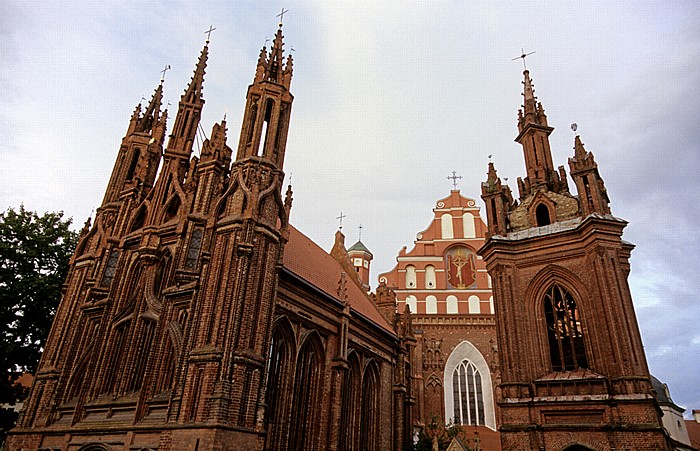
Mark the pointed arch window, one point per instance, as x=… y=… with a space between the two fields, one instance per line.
x=369 y=409
x=305 y=395
x=564 y=331
x=348 y=415
x=195 y=248
x=468 y=394
x=110 y=269
x=278 y=372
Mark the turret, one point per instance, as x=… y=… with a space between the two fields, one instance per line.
x=268 y=106
x=498 y=200
x=593 y=197
x=139 y=154
x=361 y=258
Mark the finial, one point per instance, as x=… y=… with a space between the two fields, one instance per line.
x=340 y=227
x=522 y=56
x=574 y=127
x=281 y=16
x=454 y=178
x=360 y=234
x=208 y=33
x=165 y=69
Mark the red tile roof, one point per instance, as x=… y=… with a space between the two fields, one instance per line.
x=693 y=428
x=307 y=260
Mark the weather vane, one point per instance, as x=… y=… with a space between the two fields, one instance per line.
x=522 y=56
x=208 y=33
x=454 y=178
x=340 y=227
x=281 y=15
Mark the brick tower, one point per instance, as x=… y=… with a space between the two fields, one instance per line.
x=163 y=335
x=573 y=371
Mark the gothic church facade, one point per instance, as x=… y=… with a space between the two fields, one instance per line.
x=194 y=316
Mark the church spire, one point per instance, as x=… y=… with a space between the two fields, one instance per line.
x=152 y=113
x=266 y=117
x=189 y=111
x=272 y=67
x=533 y=135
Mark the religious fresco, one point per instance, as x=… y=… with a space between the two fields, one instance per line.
x=460 y=265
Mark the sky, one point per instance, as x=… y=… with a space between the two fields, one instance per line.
x=390 y=98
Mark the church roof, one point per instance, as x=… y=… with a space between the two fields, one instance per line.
x=359 y=247
x=307 y=260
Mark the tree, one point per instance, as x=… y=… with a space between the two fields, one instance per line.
x=34 y=255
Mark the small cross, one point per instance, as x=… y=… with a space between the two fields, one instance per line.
x=522 y=56
x=340 y=227
x=454 y=177
x=208 y=32
x=165 y=69
x=281 y=15
x=360 y=227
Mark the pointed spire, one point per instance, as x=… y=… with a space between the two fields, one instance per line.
x=189 y=110
x=193 y=93
x=529 y=112
x=152 y=113
x=271 y=66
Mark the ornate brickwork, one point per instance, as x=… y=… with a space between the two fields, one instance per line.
x=573 y=370
x=196 y=317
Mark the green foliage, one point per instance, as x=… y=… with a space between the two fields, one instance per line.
x=34 y=255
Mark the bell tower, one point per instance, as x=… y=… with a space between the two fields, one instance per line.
x=573 y=370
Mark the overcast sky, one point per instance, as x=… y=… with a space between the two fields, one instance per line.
x=390 y=98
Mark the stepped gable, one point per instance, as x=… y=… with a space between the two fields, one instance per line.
x=307 y=260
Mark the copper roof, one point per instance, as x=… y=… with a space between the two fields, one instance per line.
x=307 y=260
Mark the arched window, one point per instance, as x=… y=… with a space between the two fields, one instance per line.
x=430 y=277
x=447 y=228
x=305 y=395
x=412 y=303
x=468 y=388
x=474 y=304
x=542 y=215
x=278 y=374
x=452 y=304
x=564 y=330
x=348 y=414
x=468 y=224
x=410 y=276
x=468 y=394
x=431 y=304
x=370 y=408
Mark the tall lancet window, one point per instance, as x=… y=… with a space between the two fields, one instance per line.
x=468 y=394
x=564 y=330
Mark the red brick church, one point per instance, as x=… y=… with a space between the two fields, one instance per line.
x=195 y=317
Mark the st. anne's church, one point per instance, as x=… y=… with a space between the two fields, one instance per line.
x=196 y=317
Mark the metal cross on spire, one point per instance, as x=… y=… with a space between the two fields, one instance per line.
x=165 y=69
x=340 y=227
x=522 y=56
x=281 y=15
x=208 y=33
x=454 y=177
